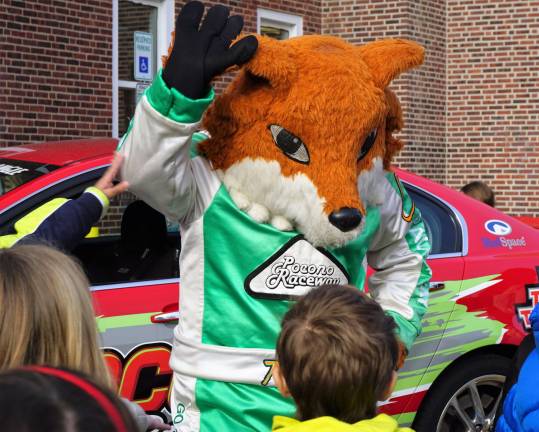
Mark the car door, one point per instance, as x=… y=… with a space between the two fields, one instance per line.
x=135 y=315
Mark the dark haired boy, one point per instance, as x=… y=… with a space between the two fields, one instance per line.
x=480 y=191
x=337 y=354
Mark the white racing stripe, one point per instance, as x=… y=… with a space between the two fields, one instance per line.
x=475 y=289
x=220 y=363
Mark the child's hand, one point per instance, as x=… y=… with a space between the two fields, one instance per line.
x=105 y=183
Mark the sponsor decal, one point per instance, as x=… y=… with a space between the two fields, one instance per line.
x=180 y=411
x=498 y=227
x=505 y=242
x=450 y=329
x=11 y=169
x=524 y=310
x=143 y=375
x=269 y=363
x=294 y=270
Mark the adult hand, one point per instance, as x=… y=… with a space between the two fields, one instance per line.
x=200 y=54
x=106 y=182
x=156 y=423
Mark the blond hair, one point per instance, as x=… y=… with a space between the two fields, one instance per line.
x=46 y=313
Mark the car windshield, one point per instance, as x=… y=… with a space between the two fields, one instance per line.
x=15 y=173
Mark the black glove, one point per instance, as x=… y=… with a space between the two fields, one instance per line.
x=198 y=56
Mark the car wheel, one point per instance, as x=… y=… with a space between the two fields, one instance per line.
x=466 y=400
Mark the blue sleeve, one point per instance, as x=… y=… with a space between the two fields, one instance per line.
x=521 y=406
x=507 y=422
x=68 y=224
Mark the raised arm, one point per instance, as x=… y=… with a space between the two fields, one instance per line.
x=157 y=145
x=63 y=223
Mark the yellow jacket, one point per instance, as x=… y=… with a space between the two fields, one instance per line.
x=380 y=423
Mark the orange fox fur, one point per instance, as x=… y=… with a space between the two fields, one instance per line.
x=329 y=93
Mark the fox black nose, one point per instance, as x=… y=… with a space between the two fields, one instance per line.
x=346 y=218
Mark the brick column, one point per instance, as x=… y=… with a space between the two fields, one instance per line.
x=421 y=91
x=493 y=99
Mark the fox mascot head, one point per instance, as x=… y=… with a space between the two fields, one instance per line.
x=303 y=134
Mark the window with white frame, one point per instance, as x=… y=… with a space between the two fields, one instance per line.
x=278 y=25
x=140 y=36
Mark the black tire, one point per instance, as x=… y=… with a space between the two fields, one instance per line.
x=439 y=413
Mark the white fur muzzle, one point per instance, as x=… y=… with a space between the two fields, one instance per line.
x=260 y=189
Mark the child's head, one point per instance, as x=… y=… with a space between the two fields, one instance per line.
x=336 y=354
x=46 y=314
x=48 y=399
x=480 y=191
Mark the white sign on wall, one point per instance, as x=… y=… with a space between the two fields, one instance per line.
x=143 y=51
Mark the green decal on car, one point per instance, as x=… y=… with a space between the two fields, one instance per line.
x=449 y=330
x=107 y=323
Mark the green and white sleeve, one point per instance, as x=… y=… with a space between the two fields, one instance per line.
x=398 y=255
x=156 y=149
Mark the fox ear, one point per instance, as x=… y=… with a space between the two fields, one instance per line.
x=388 y=58
x=272 y=63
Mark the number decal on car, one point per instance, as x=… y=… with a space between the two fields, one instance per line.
x=143 y=375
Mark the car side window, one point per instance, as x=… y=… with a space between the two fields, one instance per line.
x=134 y=243
x=109 y=254
x=440 y=222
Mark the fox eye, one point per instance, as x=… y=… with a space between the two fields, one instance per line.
x=367 y=144
x=289 y=144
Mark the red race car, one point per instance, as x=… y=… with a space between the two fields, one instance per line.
x=484 y=286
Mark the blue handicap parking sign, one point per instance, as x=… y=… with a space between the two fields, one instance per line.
x=143 y=64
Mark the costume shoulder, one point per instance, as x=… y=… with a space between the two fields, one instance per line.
x=159 y=148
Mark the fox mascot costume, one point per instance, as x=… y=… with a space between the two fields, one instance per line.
x=289 y=190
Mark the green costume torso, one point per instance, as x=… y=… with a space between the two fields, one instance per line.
x=236 y=248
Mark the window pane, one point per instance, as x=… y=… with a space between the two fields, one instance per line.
x=274 y=32
x=440 y=223
x=15 y=173
x=134 y=17
x=134 y=244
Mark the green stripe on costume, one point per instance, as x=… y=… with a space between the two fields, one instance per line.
x=175 y=106
x=242 y=408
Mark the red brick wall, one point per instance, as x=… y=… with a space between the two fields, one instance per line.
x=55 y=70
x=421 y=91
x=471 y=111
x=493 y=99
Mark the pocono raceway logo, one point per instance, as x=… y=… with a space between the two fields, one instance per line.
x=501 y=229
x=294 y=270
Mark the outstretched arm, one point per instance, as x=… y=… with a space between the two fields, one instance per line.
x=398 y=253
x=63 y=223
